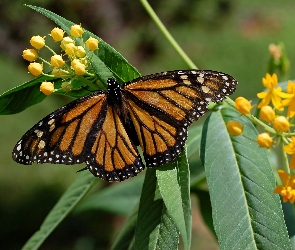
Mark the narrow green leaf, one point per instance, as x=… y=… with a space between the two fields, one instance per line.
x=21 y=97
x=193 y=140
x=173 y=181
x=246 y=212
x=125 y=237
x=62 y=208
x=119 y=198
x=155 y=228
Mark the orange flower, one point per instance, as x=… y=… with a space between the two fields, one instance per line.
x=290 y=101
x=267 y=113
x=264 y=140
x=287 y=190
x=273 y=94
x=234 y=128
x=281 y=123
x=290 y=149
x=243 y=105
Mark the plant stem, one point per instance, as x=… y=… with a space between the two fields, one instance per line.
x=168 y=36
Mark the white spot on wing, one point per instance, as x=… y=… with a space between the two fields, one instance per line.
x=200 y=79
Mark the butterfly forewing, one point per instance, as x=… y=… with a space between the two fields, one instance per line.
x=65 y=135
x=163 y=105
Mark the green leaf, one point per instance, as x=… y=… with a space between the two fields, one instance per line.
x=23 y=96
x=62 y=208
x=125 y=237
x=173 y=181
x=193 y=140
x=119 y=198
x=246 y=212
x=155 y=228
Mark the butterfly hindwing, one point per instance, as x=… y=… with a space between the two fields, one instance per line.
x=113 y=155
x=65 y=135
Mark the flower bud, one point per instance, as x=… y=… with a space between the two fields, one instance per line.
x=80 y=52
x=76 y=30
x=67 y=86
x=47 y=88
x=264 y=140
x=35 y=68
x=37 y=42
x=57 y=34
x=92 y=43
x=66 y=40
x=281 y=123
x=57 y=61
x=56 y=72
x=267 y=113
x=234 y=128
x=30 y=55
x=243 y=105
x=70 y=49
x=80 y=68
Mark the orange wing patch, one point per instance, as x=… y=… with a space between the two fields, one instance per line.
x=114 y=157
x=157 y=138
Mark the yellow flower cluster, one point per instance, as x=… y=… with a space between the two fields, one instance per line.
x=275 y=120
x=70 y=63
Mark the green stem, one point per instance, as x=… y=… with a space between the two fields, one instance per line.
x=285 y=161
x=87 y=82
x=168 y=36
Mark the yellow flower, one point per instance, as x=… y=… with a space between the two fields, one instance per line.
x=281 y=123
x=57 y=61
x=80 y=52
x=57 y=34
x=80 y=68
x=35 y=68
x=234 y=128
x=287 y=190
x=243 y=105
x=77 y=30
x=37 y=42
x=92 y=43
x=264 y=140
x=70 y=49
x=290 y=101
x=273 y=94
x=30 y=55
x=290 y=149
x=47 y=88
x=267 y=113
x=66 y=40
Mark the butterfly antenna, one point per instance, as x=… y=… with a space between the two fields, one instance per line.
x=82 y=169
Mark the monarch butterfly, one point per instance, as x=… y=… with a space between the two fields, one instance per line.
x=103 y=129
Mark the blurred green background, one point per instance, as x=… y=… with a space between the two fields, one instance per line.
x=223 y=35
